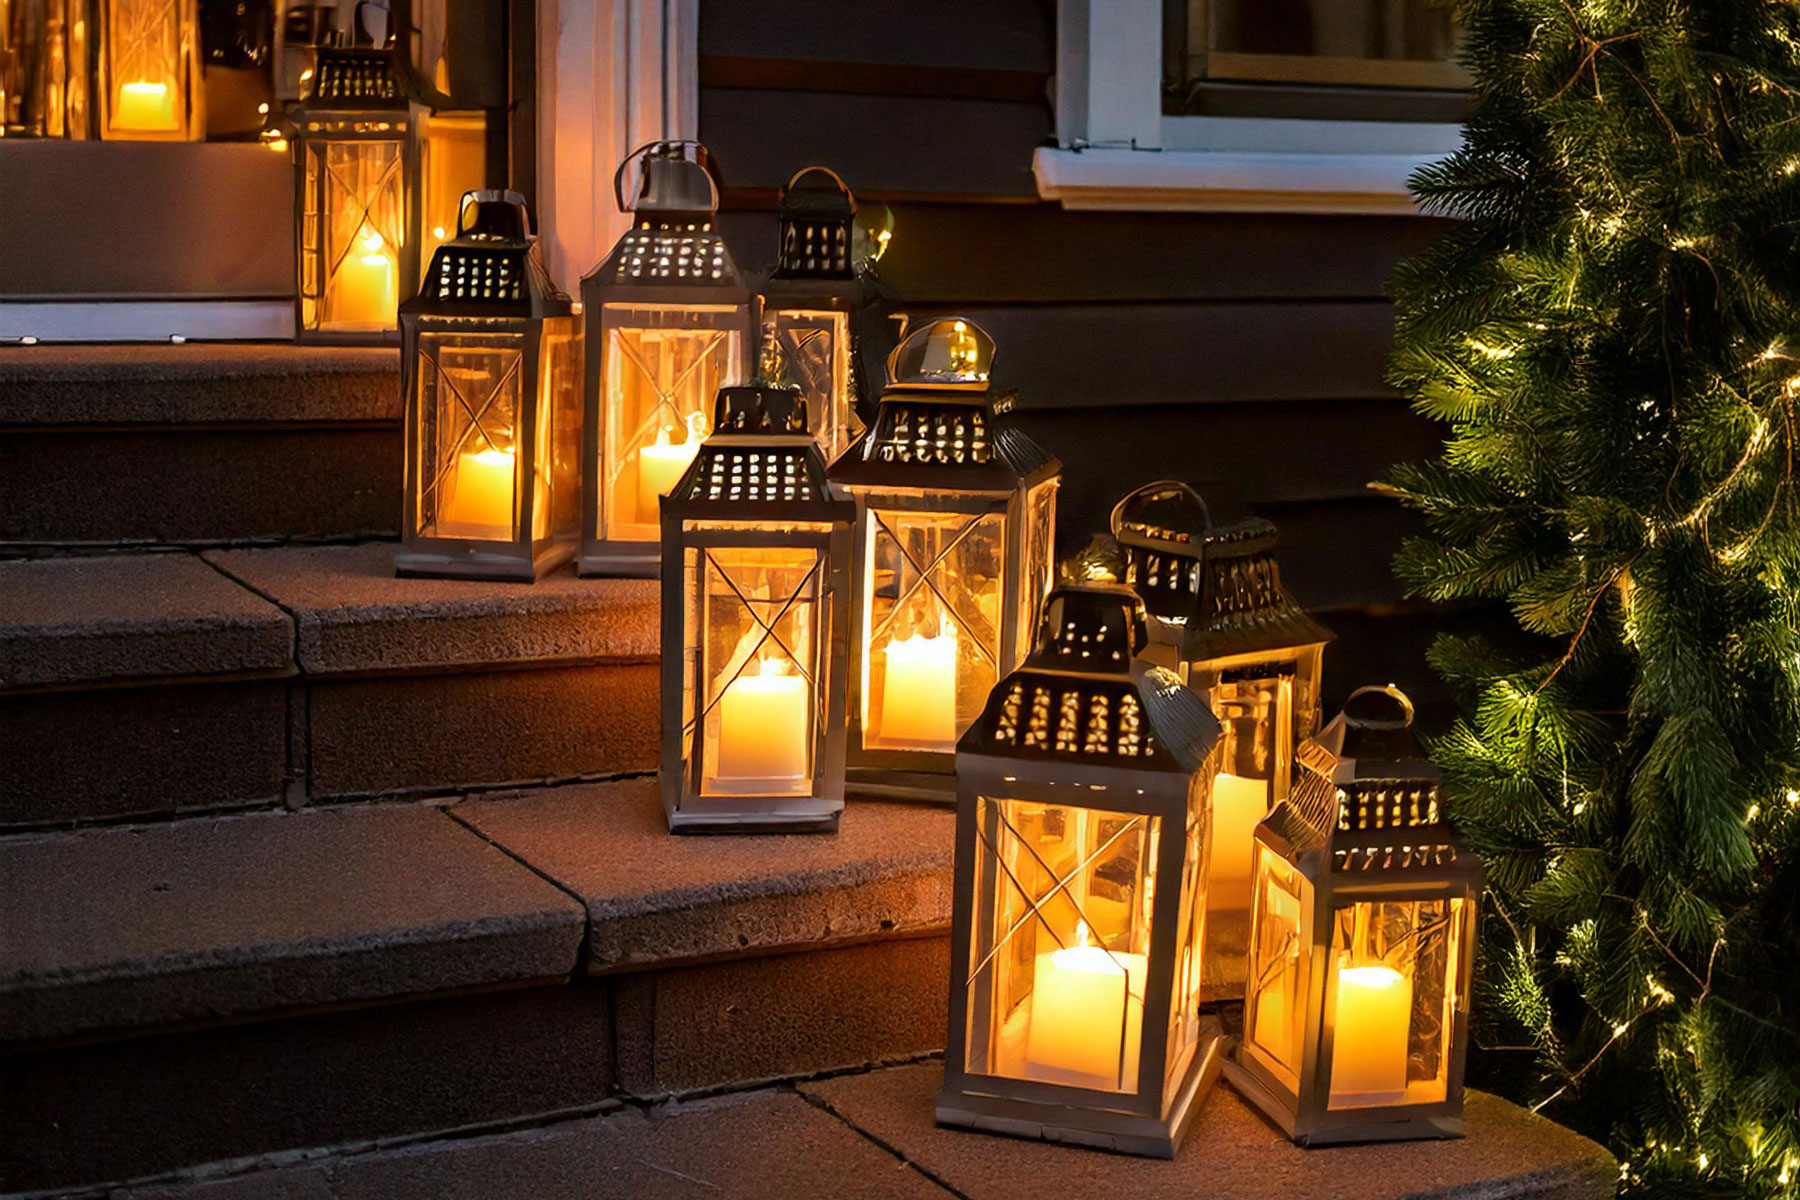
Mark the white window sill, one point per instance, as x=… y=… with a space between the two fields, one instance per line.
x=1225 y=164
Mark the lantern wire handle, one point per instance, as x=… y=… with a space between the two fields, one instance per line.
x=1370 y=721
x=1163 y=485
x=693 y=152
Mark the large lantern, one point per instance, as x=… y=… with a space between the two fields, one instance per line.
x=492 y=368
x=1362 y=936
x=669 y=322
x=1077 y=928
x=379 y=183
x=811 y=300
x=1220 y=618
x=756 y=605
x=955 y=520
x=148 y=71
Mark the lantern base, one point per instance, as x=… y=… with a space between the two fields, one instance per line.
x=1100 y=1129
x=346 y=337
x=621 y=560
x=879 y=783
x=1342 y=1127
x=463 y=560
x=748 y=814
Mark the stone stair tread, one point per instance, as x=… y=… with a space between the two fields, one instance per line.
x=353 y=615
x=223 y=917
x=653 y=898
x=91 y=620
x=197 y=383
x=1230 y=1154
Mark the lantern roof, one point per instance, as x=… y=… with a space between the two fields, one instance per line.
x=491 y=267
x=1083 y=697
x=759 y=454
x=936 y=425
x=1218 y=589
x=356 y=79
x=672 y=242
x=818 y=218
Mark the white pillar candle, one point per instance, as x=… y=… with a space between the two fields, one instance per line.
x=1370 y=1028
x=145 y=106
x=1087 y=1016
x=480 y=501
x=918 y=696
x=660 y=468
x=762 y=729
x=366 y=288
x=1238 y=805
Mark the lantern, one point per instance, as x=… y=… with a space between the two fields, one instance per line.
x=1077 y=927
x=756 y=594
x=492 y=364
x=1361 y=939
x=379 y=183
x=669 y=322
x=148 y=71
x=811 y=299
x=955 y=518
x=1221 y=620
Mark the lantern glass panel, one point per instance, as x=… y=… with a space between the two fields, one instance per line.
x=1061 y=935
x=353 y=230
x=559 y=422
x=755 y=649
x=815 y=347
x=933 y=615
x=1275 y=1001
x=453 y=161
x=1184 y=1010
x=1256 y=707
x=145 y=62
x=1039 y=553
x=469 y=400
x=1392 y=1003
x=662 y=373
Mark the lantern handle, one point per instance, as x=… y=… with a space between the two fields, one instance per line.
x=803 y=172
x=1360 y=721
x=472 y=200
x=692 y=151
x=1160 y=485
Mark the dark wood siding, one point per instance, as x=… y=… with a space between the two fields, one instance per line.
x=1242 y=352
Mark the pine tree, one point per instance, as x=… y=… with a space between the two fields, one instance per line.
x=1612 y=336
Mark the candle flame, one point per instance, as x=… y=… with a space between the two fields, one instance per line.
x=373 y=241
x=773 y=666
x=1081 y=935
x=146 y=89
x=493 y=457
x=1370 y=977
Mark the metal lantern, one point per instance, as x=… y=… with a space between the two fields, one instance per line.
x=147 y=83
x=379 y=183
x=811 y=299
x=955 y=520
x=1220 y=619
x=492 y=367
x=669 y=322
x=1362 y=936
x=756 y=596
x=1079 y=910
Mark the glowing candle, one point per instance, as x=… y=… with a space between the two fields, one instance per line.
x=480 y=504
x=1087 y=1009
x=918 y=698
x=1370 y=1029
x=1238 y=805
x=146 y=106
x=366 y=289
x=762 y=728
x=660 y=468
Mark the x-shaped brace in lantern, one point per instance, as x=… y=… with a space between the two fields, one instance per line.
x=646 y=431
x=923 y=579
x=798 y=340
x=768 y=635
x=475 y=416
x=366 y=205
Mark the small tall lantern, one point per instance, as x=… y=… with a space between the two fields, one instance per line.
x=1079 y=911
x=669 y=322
x=492 y=368
x=756 y=596
x=1362 y=935
x=811 y=299
x=955 y=522
x=1220 y=619
x=148 y=71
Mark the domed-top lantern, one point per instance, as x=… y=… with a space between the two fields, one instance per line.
x=756 y=605
x=1079 y=912
x=492 y=367
x=1220 y=618
x=955 y=518
x=1362 y=936
x=811 y=299
x=669 y=322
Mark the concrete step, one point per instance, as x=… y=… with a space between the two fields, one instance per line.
x=197 y=444
x=303 y=675
x=208 y=989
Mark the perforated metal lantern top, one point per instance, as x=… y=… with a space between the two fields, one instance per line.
x=936 y=425
x=672 y=241
x=1218 y=584
x=1083 y=697
x=356 y=79
x=818 y=224
x=759 y=463
x=491 y=267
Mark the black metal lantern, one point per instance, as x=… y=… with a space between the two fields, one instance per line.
x=955 y=523
x=811 y=300
x=669 y=322
x=1356 y=1016
x=1079 y=911
x=1221 y=619
x=756 y=609
x=492 y=367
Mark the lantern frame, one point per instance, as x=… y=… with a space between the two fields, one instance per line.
x=942 y=447
x=669 y=274
x=488 y=282
x=728 y=499
x=1085 y=649
x=1362 y=826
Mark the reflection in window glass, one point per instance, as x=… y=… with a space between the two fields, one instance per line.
x=1378 y=29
